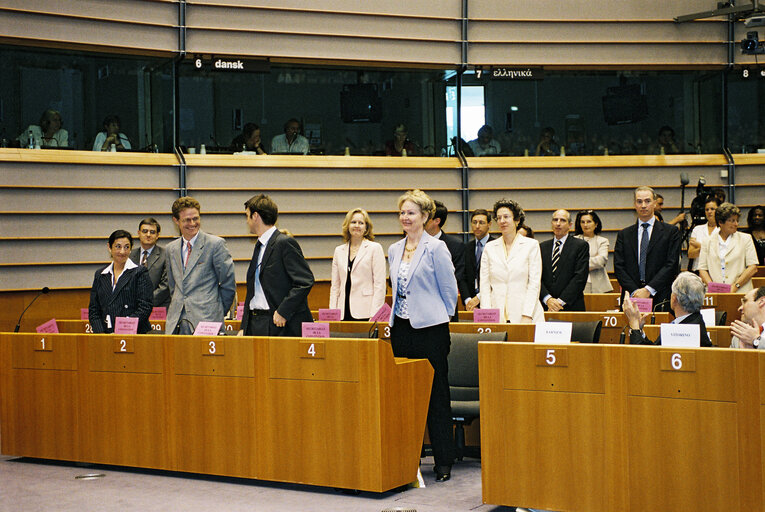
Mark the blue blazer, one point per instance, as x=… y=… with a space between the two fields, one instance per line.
x=431 y=291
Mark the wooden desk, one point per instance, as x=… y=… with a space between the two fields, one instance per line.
x=613 y=322
x=346 y=415
x=718 y=335
x=604 y=427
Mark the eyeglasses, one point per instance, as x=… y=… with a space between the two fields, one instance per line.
x=149 y=231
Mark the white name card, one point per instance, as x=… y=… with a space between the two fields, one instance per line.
x=557 y=333
x=680 y=335
x=708 y=314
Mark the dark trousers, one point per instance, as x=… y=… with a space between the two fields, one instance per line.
x=431 y=343
x=262 y=324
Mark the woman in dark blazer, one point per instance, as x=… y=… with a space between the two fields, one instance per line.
x=424 y=299
x=121 y=288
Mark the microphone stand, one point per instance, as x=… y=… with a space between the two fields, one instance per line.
x=41 y=292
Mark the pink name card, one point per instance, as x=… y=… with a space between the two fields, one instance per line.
x=158 y=314
x=49 y=326
x=643 y=305
x=240 y=311
x=718 y=288
x=207 y=328
x=126 y=325
x=84 y=314
x=329 y=315
x=486 y=316
x=315 y=330
x=382 y=315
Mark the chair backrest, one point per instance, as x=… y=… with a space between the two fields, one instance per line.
x=586 y=332
x=721 y=317
x=463 y=357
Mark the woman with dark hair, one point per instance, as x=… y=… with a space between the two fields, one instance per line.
x=511 y=269
x=424 y=299
x=358 y=270
x=111 y=135
x=121 y=288
x=48 y=134
x=400 y=145
x=526 y=231
x=702 y=232
x=728 y=256
x=755 y=226
x=248 y=140
x=588 y=227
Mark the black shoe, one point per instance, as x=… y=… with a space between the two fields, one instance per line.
x=443 y=473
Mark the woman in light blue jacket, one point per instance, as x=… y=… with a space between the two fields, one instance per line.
x=424 y=299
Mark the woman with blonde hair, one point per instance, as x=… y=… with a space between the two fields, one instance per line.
x=358 y=270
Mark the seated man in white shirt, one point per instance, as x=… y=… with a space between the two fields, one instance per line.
x=290 y=141
x=748 y=332
x=485 y=144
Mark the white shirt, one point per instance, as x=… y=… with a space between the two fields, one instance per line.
x=110 y=270
x=258 y=300
x=640 y=230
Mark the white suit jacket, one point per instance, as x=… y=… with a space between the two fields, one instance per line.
x=512 y=284
x=367 y=280
x=741 y=253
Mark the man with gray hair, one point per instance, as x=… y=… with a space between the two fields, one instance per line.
x=687 y=296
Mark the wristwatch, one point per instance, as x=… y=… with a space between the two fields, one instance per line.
x=756 y=341
x=737 y=285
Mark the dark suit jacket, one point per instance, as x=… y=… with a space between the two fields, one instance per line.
x=573 y=268
x=286 y=279
x=471 y=266
x=662 y=261
x=131 y=297
x=457 y=250
x=638 y=337
x=156 y=264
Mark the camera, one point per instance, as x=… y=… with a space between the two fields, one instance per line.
x=751 y=45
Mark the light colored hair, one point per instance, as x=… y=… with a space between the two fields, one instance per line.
x=689 y=290
x=645 y=189
x=726 y=211
x=421 y=199
x=368 y=234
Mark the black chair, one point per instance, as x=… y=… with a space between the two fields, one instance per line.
x=721 y=317
x=585 y=332
x=463 y=381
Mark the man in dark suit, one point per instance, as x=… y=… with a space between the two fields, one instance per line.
x=565 y=266
x=686 y=299
x=647 y=253
x=455 y=246
x=480 y=222
x=278 y=279
x=153 y=257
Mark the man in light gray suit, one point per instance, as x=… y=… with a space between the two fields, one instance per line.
x=154 y=258
x=201 y=272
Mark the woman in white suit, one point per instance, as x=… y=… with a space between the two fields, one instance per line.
x=739 y=261
x=424 y=299
x=511 y=269
x=358 y=270
x=588 y=227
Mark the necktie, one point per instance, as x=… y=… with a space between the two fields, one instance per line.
x=643 y=250
x=188 y=254
x=478 y=253
x=555 y=258
x=143 y=258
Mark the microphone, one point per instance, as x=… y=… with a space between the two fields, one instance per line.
x=684 y=179
x=623 y=334
x=655 y=307
x=178 y=327
x=700 y=185
x=44 y=290
x=212 y=138
x=373 y=331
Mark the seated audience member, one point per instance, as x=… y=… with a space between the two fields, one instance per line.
x=485 y=144
x=400 y=143
x=358 y=270
x=511 y=269
x=111 y=135
x=564 y=267
x=755 y=221
x=526 y=231
x=728 y=256
x=666 y=144
x=748 y=332
x=248 y=140
x=463 y=146
x=148 y=254
x=588 y=227
x=480 y=222
x=120 y=289
x=48 y=134
x=290 y=141
x=660 y=206
x=701 y=233
x=686 y=300
x=547 y=145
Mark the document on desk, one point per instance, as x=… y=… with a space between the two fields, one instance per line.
x=680 y=335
